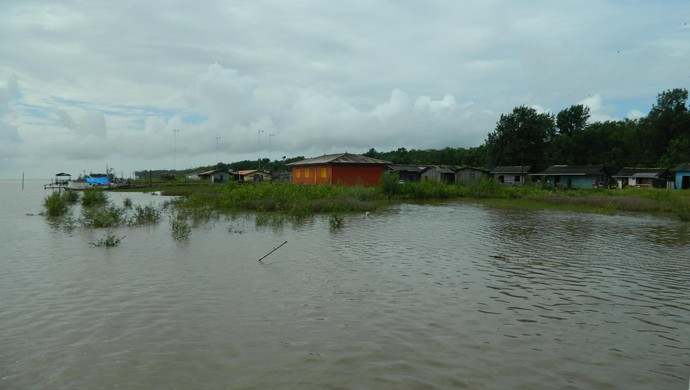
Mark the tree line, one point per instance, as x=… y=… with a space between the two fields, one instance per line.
x=527 y=137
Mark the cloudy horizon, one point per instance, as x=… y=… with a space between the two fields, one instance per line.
x=176 y=85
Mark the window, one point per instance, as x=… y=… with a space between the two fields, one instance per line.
x=298 y=173
x=324 y=173
x=306 y=173
x=517 y=179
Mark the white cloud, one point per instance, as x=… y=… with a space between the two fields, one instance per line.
x=634 y=114
x=320 y=76
x=92 y=123
x=598 y=112
x=9 y=135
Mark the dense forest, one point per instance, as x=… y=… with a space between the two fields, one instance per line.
x=527 y=137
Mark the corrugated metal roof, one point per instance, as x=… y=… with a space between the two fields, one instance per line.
x=474 y=169
x=340 y=158
x=646 y=175
x=246 y=172
x=512 y=169
x=682 y=168
x=631 y=172
x=572 y=170
x=404 y=168
x=439 y=169
x=212 y=171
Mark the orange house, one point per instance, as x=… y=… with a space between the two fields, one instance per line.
x=343 y=168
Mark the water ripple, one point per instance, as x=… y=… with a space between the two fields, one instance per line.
x=419 y=296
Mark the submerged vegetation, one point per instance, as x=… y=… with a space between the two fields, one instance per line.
x=109 y=240
x=97 y=211
x=274 y=204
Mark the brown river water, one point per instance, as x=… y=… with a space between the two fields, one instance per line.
x=444 y=296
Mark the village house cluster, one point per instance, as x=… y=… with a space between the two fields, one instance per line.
x=354 y=169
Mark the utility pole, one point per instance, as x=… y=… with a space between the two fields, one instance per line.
x=259 y=132
x=270 y=137
x=175 y=131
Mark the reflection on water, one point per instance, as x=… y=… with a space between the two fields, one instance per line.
x=447 y=296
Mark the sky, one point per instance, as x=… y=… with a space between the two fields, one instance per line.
x=89 y=85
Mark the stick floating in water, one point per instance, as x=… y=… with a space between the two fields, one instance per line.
x=274 y=249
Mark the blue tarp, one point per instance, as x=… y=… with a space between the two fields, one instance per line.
x=98 y=180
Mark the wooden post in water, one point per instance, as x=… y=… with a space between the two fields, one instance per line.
x=274 y=249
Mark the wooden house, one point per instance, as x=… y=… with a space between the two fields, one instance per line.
x=641 y=177
x=574 y=176
x=251 y=176
x=406 y=173
x=682 y=174
x=469 y=175
x=513 y=175
x=215 y=175
x=439 y=173
x=342 y=168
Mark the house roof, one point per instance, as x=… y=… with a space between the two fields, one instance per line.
x=340 y=158
x=647 y=175
x=439 y=169
x=473 y=169
x=212 y=171
x=640 y=172
x=512 y=169
x=682 y=168
x=247 y=172
x=572 y=170
x=404 y=168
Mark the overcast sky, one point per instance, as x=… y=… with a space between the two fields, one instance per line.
x=86 y=84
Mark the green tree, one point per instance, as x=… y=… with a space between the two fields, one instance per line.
x=668 y=119
x=520 y=138
x=572 y=119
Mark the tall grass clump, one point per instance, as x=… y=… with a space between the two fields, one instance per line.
x=483 y=189
x=94 y=197
x=428 y=189
x=285 y=198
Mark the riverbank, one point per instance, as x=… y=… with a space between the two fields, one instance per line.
x=302 y=200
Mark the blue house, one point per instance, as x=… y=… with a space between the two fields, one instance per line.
x=574 y=176
x=682 y=172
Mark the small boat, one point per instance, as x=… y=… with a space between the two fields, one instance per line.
x=92 y=180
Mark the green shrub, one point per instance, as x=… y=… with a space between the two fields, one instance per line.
x=94 y=197
x=389 y=184
x=108 y=216
x=55 y=204
x=180 y=229
x=335 y=221
x=145 y=215
x=72 y=197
